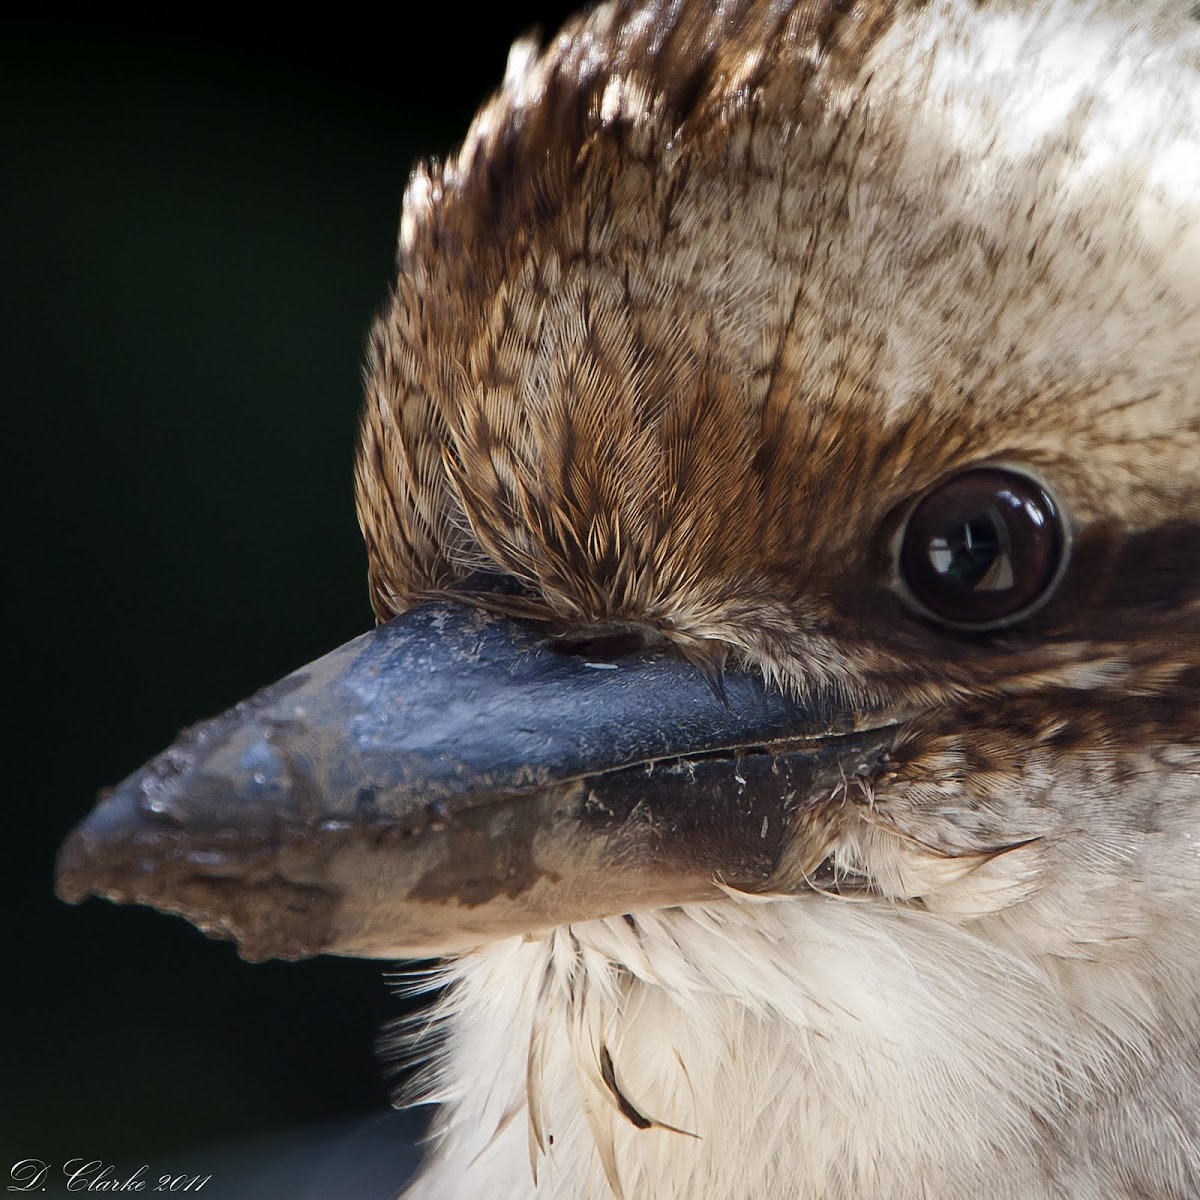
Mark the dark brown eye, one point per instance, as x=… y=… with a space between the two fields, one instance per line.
x=982 y=549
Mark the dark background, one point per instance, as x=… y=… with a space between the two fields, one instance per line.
x=198 y=225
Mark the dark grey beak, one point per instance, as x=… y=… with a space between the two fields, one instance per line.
x=449 y=778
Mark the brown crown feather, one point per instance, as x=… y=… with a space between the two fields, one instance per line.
x=643 y=354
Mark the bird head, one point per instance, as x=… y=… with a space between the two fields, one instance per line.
x=780 y=477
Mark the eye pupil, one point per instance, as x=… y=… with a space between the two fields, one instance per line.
x=982 y=548
x=976 y=554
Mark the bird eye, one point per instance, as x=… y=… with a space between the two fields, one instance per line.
x=982 y=549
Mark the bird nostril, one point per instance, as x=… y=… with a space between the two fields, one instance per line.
x=603 y=646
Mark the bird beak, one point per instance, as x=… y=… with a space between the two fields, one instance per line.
x=449 y=778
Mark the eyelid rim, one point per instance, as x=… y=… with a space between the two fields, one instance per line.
x=897 y=583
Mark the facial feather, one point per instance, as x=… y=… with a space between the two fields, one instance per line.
x=658 y=355
x=709 y=295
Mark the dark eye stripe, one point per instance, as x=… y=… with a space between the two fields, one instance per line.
x=1156 y=568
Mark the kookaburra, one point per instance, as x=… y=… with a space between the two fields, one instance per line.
x=780 y=474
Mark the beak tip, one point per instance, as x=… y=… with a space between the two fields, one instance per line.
x=227 y=883
x=99 y=856
x=70 y=871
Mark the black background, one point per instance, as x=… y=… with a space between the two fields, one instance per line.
x=198 y=225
